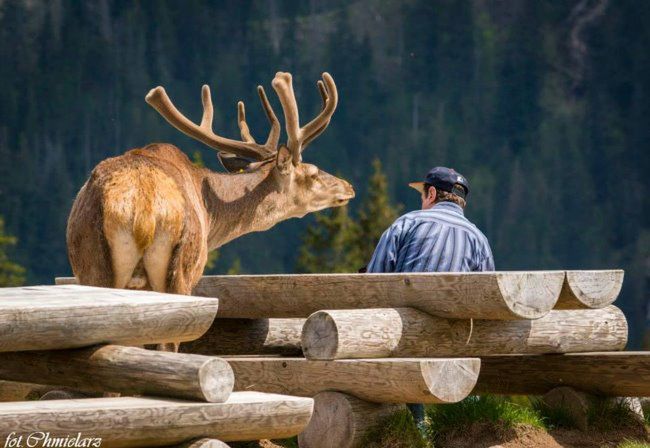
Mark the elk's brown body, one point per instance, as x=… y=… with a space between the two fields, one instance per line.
x=147 y=218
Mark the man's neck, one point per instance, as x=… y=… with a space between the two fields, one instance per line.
x=447 y=205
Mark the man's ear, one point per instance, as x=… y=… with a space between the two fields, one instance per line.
x=432 y=194
x=284 y=160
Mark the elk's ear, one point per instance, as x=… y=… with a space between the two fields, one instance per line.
x=233 y=163
x=284 y=161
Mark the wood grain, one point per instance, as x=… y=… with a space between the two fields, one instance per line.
x=406 y=332
x=143 y=422
x=614 y=374
x=342 y=421
x=590 y=289
x=478 y=295
x=202 y=443
x=127 y=370
x=249 y=337
x=502 y=295
x=71 y=316
x=375 y=380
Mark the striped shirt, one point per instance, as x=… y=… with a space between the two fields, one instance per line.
x=439 y=239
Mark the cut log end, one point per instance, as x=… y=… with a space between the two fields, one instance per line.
x=590 y=289
x=320 y=336
x=530 y=295
x=453 y=380
x=216 y=380
x=341 y=421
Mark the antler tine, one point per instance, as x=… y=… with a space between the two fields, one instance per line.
x=274 y=134
x=300 y=137
x=243 y=126
x=323 y=94
x=282 y=83
x=160 y=101
x=208 y=111
x=330 y=99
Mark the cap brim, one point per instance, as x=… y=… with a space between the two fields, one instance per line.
x=419 y=186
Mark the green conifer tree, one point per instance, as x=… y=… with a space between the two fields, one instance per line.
x=235 y=268
x=11 y=274
x=377 y=213
x=328 y=245
x=337 y=242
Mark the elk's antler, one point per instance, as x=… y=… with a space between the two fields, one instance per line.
x=159 y=100
x=299 y=137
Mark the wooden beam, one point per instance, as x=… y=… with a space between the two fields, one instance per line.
x=613 y=374
x=127 y=370
x=376 y=380
x=249 y=337
x=342 y=421
x=70 y=316
x=502 y=295
x=590 y=289
x=405 y=332
x=143 y=422
x=478 y=295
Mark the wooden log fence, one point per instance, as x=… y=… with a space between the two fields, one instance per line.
x=402 y=333
x=249 y=337
x=374 y=380
x=613 y=374
x=342 y=421
x=590 y=289
x=478 y=295
x=71 y=316
x=495 y=295
x=128 y=370
x=406 y=332
x=144 y=422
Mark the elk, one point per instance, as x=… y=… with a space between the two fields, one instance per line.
x=148 y=218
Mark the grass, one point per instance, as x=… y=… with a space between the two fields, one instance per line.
x=396 y=431
x=610 y=414
x=553 y=417
x=633 y=444
x=501 y=412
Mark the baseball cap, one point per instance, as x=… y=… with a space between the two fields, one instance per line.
x=445 y=179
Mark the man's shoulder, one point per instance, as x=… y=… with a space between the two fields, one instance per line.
x=446 y=218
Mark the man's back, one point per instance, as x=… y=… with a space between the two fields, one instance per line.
x=438 y=239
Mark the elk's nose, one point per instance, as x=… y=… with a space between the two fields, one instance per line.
x=348 y=190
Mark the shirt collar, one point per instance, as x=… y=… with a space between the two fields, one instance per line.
x=450 y=206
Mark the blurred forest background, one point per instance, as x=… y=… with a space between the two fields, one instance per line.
x=543 y=105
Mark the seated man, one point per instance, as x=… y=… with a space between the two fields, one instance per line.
x=437 y=238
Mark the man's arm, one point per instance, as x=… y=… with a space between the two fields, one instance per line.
x=488 y=260
x=385 y=257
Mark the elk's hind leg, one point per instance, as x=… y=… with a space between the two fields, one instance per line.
x=156 y=264
x=125 y=256
x=156 y=261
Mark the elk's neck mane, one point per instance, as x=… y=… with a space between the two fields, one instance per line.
x=237 y=204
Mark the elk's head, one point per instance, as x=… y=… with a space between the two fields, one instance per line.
x=307 y=187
